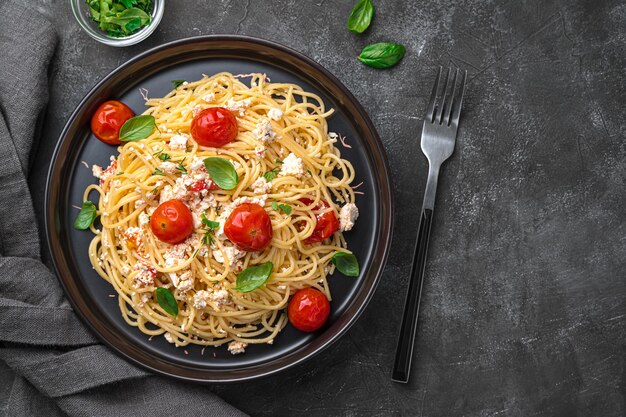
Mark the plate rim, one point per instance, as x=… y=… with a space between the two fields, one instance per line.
x=124 y=349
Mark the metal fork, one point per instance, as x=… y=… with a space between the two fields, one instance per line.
x=441 y=124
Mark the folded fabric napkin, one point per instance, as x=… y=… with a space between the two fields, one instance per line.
x=50 y=364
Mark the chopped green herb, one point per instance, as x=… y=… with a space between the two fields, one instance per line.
x=181 y=167
x=120 y=18
x=120 y=173
x=211 y=225
x=163 y=156
x=157 y=171
x=286 y=208
x=155 y=190
x=177 y=83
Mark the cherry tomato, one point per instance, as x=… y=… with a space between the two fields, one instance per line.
x=203 y=185
x=327 y=222
x=108 y=119
x=172 y=222
x=215 y=127
x=249 y=227
x=308 y=309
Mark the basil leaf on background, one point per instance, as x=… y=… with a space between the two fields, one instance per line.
x=167 y=301
x=361 y=16
x=382 y=55
x=137 y=128
x=253 y=277
x=86 y=216
x=346 y=263
x=222 y=172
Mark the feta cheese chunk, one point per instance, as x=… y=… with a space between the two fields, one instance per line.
x=260 y=151
x=236 y=347
x=347 y=216
x=275 y=114
x=263 y=131
x=261 y=186
x=144 y=219
x=168 y=167
x=178 y=142
x=238 y=106
x=229 y=252
x=209 y=98
x=292 y=165
x=200 y=299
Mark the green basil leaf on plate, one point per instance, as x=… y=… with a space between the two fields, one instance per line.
x=361 y=16
x=137 y=128
x=253 y=277
x=222 y=172
x=346 y=263
x=167 y=301
x=86 y=216
x=382 y=55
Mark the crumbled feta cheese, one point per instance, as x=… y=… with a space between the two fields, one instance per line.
x=238 y=106
x=292 y=165
x=168 y=337
x=197 y=164
x=209 y=98
x=168 y=167
x=220 y=297
x=275 y=114
x=236 y=347
x=146 y=274
x=347 y=216
x=178 y=142
x=261 y=186
x=96 y=170
x=260 y=151
x=185 y=281
x=200 y=299
x=230 y=252
x=333 y=137
x=144 y=219
x=139 y=203
x=263 y=131
x=197 y=109
x=176 y=254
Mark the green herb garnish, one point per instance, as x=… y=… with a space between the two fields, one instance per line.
x=177 y=83
x=211 y=225
x=162 y=155
x=253 y=277
x=86 y=216
x=158 y=171
x=270 y=175
x=167 y=301
x=137 y=128
x=222 y=172
x=346 y=263
x=286 y=208
x=382 y=55
x=119 y=18
x=361 y=16
x=180 y=167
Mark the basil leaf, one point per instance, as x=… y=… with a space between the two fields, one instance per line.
x=275 y=205
x=167 y=301
x=212 y=224
x=252 y=278
x=177 y=83
x=382 y=55
x=346 y=263
x=129 y=17
x=361 y=16
x=222 y=172
x=127 y=3
x=269 y=175
x=86 y=216
x=137 y=128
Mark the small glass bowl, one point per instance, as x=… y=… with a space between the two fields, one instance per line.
x=82 y=15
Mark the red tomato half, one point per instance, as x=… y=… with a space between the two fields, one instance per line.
x=214 y=127
x=108 y=119
x=327 y=222
x=249 y=227
x=172 y=222
x=308 y=310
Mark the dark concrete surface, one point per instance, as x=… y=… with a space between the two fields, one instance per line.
x=524 y=305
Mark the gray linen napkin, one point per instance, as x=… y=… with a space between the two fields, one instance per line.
x=50 y=364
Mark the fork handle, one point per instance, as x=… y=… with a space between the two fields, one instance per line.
x=406 y=340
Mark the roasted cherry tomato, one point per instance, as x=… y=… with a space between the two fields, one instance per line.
x=327 y=222
x=215 y=127
x=172 y=222
x=203 y=185
x=308 y=309
x=108 y=119
x=249 y=227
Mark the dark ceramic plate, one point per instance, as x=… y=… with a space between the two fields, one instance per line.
x=189 y=59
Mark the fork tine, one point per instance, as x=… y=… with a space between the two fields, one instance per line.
x=433 y=97
x=450 y=102
x=442 y=100
x=456 y=111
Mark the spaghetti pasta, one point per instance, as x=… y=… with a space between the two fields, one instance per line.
x=286 y=161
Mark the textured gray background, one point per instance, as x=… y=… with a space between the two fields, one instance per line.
x=524 y=304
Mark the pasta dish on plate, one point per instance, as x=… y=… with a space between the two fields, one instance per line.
x=222 y=214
